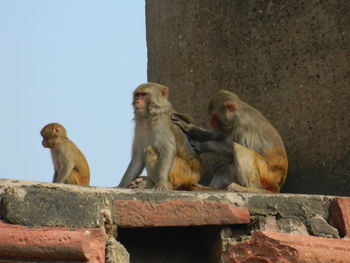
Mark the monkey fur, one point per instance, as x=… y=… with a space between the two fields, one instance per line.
x=71 y=166
x=159 y=145
x=255 y=153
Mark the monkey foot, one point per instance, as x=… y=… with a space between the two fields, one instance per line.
x=160 y=187
x=235 y=188
x=138 y=183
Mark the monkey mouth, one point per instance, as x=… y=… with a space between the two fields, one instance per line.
x=215 y=124
x=138 y=109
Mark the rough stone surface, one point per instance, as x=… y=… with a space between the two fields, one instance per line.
x=135 y=213
x=341 y=216
x=19 y=242
x=320 y=227
x=283 y=225
x=286 y=206
x=52 y=206
x=297 y=214
x=35 y=204
x=116 y=252
x=44 y=204
x=292 y=225
x=289 y=59
x=272 y=247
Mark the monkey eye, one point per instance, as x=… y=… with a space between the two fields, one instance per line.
x=140 y=95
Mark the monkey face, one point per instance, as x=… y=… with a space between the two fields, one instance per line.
x=222 y=109
x=45 y=134
x=140 y=102
x=51 y=132
x=149 y=95
x=47 y=138
x=214 y=121
x=218 y=115
x=44 y=143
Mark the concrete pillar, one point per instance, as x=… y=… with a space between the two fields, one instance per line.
x=289 y=59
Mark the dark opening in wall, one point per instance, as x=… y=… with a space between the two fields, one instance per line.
x=172 y=244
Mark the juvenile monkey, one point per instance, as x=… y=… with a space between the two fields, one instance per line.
x=255 y=154
x=69 y=162
x=159 y=145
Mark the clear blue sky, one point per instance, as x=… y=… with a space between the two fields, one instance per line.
x=75 y=62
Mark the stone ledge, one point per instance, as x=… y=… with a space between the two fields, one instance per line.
x=271 y=247
x=340 y=215
x=136 y=213
x=24 y=243
x=57 y=205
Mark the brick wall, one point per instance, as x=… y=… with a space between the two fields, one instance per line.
x=38 y=223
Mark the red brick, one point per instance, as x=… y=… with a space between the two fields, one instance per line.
x=272 y=247
x=340 y=215
x=136 y=213
x=19 y=242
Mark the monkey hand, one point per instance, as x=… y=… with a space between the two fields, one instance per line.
x=199 y=147
x=176 y=119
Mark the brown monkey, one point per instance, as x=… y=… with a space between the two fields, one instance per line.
x=69 y=162
x=159 y=145
x=257 y=159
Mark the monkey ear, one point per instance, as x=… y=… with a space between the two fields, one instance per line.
x=55 y=130
x=164 y=92
x=230 y=106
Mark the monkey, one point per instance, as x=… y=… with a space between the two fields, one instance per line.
x=70 y=164
x=159 y=145
x=254 y=150
x=184 y=174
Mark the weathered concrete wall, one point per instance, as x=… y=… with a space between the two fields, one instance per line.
x=289 y=59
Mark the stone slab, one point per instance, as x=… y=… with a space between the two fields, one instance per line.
x=340 y=215
x=24 y=243
x=272 y=247
x=137 y=213
x=51 y=205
